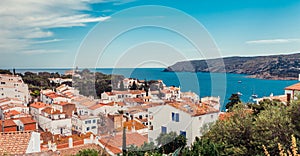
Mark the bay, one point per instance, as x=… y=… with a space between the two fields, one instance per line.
x=204 y=84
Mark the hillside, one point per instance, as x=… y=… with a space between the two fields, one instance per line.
x=265 y=67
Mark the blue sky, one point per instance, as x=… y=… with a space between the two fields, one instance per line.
x=36 y=33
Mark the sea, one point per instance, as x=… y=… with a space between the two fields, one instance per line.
x=204 y=84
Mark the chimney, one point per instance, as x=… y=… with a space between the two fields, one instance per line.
x=70 y=142
x=288 y=98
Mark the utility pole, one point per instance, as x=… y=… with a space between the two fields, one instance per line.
x=124 y=141
x=3 y=118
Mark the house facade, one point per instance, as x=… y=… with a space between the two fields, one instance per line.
x=12 y=86
x=187 y=122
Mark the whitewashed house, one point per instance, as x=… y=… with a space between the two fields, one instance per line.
x=55 y=121
x=12 y=86
x=84 y=124
x=186 y=120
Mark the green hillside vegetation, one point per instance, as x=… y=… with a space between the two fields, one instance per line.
x=266 y=67
x=268 y=128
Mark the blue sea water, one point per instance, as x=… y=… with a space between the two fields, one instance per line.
x=204 y=84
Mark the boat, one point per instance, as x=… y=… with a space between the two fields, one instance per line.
x=239 y=81
x=239 y=93
x=254 y=95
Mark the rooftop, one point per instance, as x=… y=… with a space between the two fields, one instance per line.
x=50 y=110
x=293 y=87
x=27 y=120
x=194 y=109
x=39 y=105
x=13 y=143
x=8 y=123
x=133 y=123
x=116 y=141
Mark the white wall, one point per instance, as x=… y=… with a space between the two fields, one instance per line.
x=162 y=116
x=34 y=143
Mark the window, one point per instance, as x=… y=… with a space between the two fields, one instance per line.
x=175 y=117
x=183 y=133
x=140 y=117
x=163 y=130
x=94 y=121
x=200 y=118
x=93 y=127
x=2 y=82
x=88 y=122
x=212 y=116
x=88 y=128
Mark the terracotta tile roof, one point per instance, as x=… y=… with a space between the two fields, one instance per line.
x=294 y=87
x=132 y=123
x=194 y=109
x=6 y=99
x=27 y=120
x=39 y=105
x=9 y=123
x=96 y=106
x=62 y=103
x=11 y=105
x=14 y=142
x=131 y=139
x=137 y=91
x=133 y=100
x=49 y=110
x=120 y=103
x=111 y=148
x=53 y=95
x=11 y=113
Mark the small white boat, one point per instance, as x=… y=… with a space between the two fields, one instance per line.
x=254 y=95
x=239 y=93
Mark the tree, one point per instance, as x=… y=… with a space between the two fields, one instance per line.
x=233 y=132
x=122 y=85
x=203 y=147
x=234 y=99
x=169 y=142
x=134 y=86
x=4 y=71
x=244 y=133
x=87 y=152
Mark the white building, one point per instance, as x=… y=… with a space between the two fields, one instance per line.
x=187 y=120
x=55 y=122
x=13 y=87
x=59 y=80
x=36 y=109
x=85 y=123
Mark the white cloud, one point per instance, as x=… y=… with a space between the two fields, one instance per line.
x=273 y=41
x=40 y=51
x=24 y=21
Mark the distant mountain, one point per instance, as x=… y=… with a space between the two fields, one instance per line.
x=265 y=67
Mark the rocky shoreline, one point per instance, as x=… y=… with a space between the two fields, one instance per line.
x=275 y=67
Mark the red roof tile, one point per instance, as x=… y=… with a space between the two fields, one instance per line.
x=9 y=123
x=39 y=105
x=293 y=87
x=27 y=120
x=131 y=139
x=13 y=143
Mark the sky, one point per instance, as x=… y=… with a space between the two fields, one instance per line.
x=142 y=33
